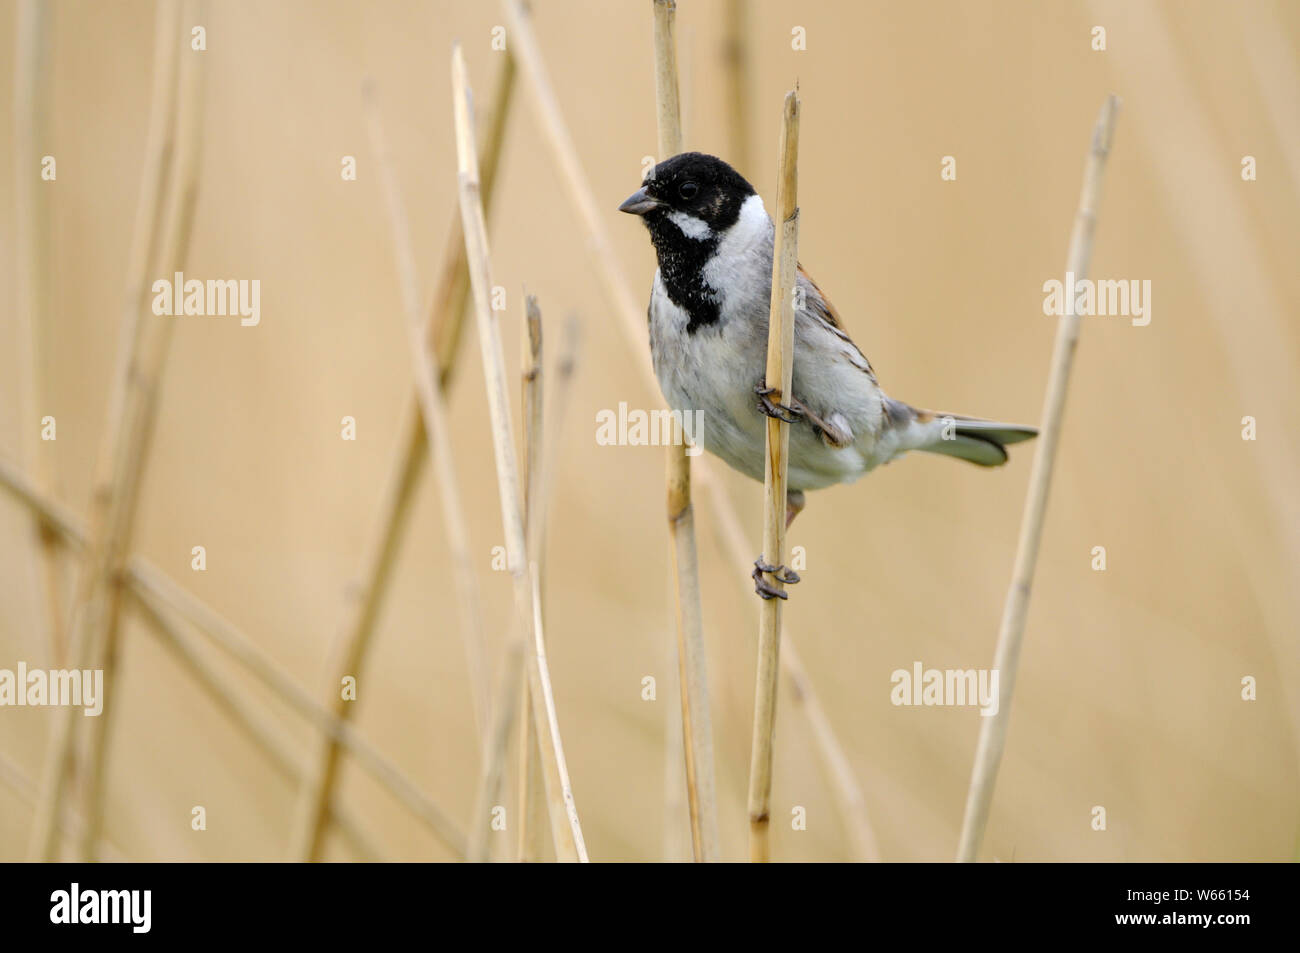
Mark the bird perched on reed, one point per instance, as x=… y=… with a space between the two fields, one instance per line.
x=708 y=340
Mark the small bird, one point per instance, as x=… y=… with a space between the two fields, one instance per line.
x=708 y=340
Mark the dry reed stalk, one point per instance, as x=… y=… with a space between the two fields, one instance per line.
x=540 y=462
x=736 y=75
x=565 y=827
x=262 y=731
x=844 y=785
x=542 y=473
x=12 y=777
x=532 y=790
x=504 y=717
x=31 y=273
x=780 y=369
x=447 y=314
x=445 y=322
x=631 y=316
x=533 y=821
x=532 y=794
x=849 y=798
x=697 y=727
x=433 y=410
x=124 y=443
x=1006 y=658
x=678 y=843
x=514 y=688
x=146 y=583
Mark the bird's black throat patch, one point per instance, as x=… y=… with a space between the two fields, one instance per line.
x=681 y=264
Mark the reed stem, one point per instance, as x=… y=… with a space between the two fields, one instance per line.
x=1006 y=657
x=532 y=794
x=697 y=726
x=780 y=368
x=565 y=827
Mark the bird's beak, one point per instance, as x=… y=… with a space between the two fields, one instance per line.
x=639 y=202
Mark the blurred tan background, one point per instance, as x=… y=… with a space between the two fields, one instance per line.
x=1129 y=690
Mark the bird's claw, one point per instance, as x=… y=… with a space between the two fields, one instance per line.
x=771 y=407
x=781 y=573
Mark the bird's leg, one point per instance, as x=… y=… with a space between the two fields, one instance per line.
x=794 y=500
x=794 y=504
x=770 y=407
x=832 y=435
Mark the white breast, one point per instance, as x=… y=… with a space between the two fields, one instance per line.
x=704 y=371
x=716 y=368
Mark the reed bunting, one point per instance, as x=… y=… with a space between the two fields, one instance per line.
x=708 y=340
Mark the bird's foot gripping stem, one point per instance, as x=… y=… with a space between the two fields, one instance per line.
x=781 y=573
x=771 y=407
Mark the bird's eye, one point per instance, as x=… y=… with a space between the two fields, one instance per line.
x=688 y=190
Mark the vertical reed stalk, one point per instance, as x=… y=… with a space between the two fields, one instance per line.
x=678 y=842
x=780 y=367
x=565 y=827
x=445 y=322
x=1006 y=658
x=697 y=728
x=532 y=791
x=514 y=689
x=532 y=794
x=849 y=798
x=682 y=830
x=533 y=824
x=510 y=692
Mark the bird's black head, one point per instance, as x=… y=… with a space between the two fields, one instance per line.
x=698 y=194
x=688 y=203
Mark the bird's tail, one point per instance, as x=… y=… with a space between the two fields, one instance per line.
x=983 y=442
